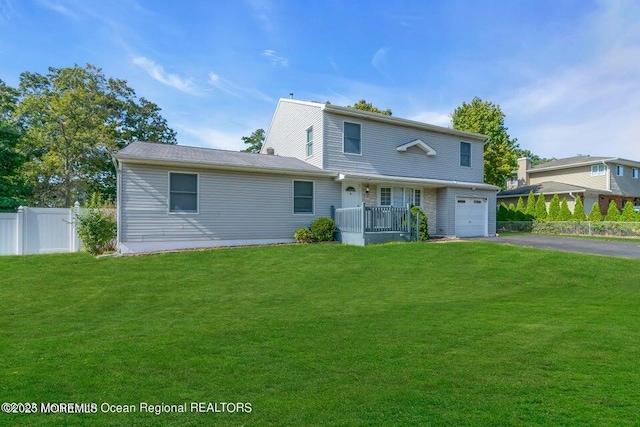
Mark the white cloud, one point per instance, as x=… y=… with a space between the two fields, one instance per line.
x=432 y=117
x=207 y=137
x=590 y=106
x=235 y=90
x=378 y=60
x=7 y=10
x=157 y=72
x=262 y=12
x=275 y=59
x=58 y=7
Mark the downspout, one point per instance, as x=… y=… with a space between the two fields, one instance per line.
x=608 y=175
x=118 y=167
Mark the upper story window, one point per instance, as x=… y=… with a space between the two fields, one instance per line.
x=352 y=142
x=183 y=192
x=634 y=173
x=620 y=170
x=310 y=141
x=303 y=197
x=465 y=154
x=597 y=170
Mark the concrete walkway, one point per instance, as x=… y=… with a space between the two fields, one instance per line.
x=571 y=244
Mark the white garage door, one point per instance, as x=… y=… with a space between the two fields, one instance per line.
x=471 y=217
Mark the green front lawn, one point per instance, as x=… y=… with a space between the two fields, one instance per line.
x=463 y=333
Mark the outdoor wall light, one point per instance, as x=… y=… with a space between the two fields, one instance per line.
x=366 y=189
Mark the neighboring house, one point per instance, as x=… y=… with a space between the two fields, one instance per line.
x=317 y=158
x=594 y=179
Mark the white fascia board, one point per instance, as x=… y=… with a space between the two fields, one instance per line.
x=418 y=143
x=200 y=165
x=429 y=182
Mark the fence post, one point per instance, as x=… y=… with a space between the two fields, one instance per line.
x=409 y=219
x=333 y=212
x=418 y=226
x=20 y=231
x=74 y=212
x=364 y=218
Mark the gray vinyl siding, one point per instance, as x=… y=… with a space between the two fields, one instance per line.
x=446 y=209
x=579 y=176
x=287 y=134
x=380 y=155
x=232 y=205
x=624 y=185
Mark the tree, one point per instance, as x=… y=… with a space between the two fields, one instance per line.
x=578 y=210
x=531 y=205
x=500 y=151
x=595 y=215
x=255 y=141
x=628 y=213
x=367 y=106
x=541 y=208
x=75 y=119
x=613 y=214
x=520 y=206
x=13 y=190
x=535 y=159
x=565 y=212
x=554 y=208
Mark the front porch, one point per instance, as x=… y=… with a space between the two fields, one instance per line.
x=366 y=225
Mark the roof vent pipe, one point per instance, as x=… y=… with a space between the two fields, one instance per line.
x=291 y=95
x=270 y=151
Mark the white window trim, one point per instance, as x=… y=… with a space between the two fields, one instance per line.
x=306 y=145
x=169 y=193
x=460 y=154
x=353 y=123
x=293 y=197
x=619 y=170
x=634 y=173
x=595 y=170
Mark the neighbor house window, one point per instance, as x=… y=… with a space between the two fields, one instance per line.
x=310 y=141
x=465 y=154
x=597 y=170
x=352 y=142
x=399 y=196
x=302 y=197
x=620 y=170
x=183 y=192
x=634 y=173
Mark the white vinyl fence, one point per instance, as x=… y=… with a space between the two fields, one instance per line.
x=38 y=231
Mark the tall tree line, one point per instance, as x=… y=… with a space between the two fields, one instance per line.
x=59 y=131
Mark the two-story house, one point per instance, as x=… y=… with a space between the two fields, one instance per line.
x=316 y=159
x=594 y=179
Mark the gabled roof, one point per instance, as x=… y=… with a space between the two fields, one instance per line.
x=166 y=154
x=570 y=161
x=420 y=144
x=547 y=187
x=354 y=112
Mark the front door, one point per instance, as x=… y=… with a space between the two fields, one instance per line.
x=351 y=195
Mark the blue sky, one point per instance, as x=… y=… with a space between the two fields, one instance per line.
x=565 y=72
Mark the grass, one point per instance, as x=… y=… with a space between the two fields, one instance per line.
x=466 y=333
x=577 y=236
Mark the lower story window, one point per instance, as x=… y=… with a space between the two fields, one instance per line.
x=399 y=196
x=303 y=197
x=183 y=192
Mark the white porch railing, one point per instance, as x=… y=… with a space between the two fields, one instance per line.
x=377 y=219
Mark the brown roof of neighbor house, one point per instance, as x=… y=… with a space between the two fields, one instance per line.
x=155 y=153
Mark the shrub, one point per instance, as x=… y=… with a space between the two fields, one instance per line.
x=520 y=206
x=578 y=210
x=423 y=228
x=613 y=214
x=595 y=215
x=503 y=212
x=541 y=208
x=565 y=213
x=531 y=205
x=97 y=227
x=554 y=208
x=323 y=229
x=303 y=235
x=628 y=213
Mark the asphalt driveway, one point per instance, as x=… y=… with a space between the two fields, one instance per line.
x=572 y=244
